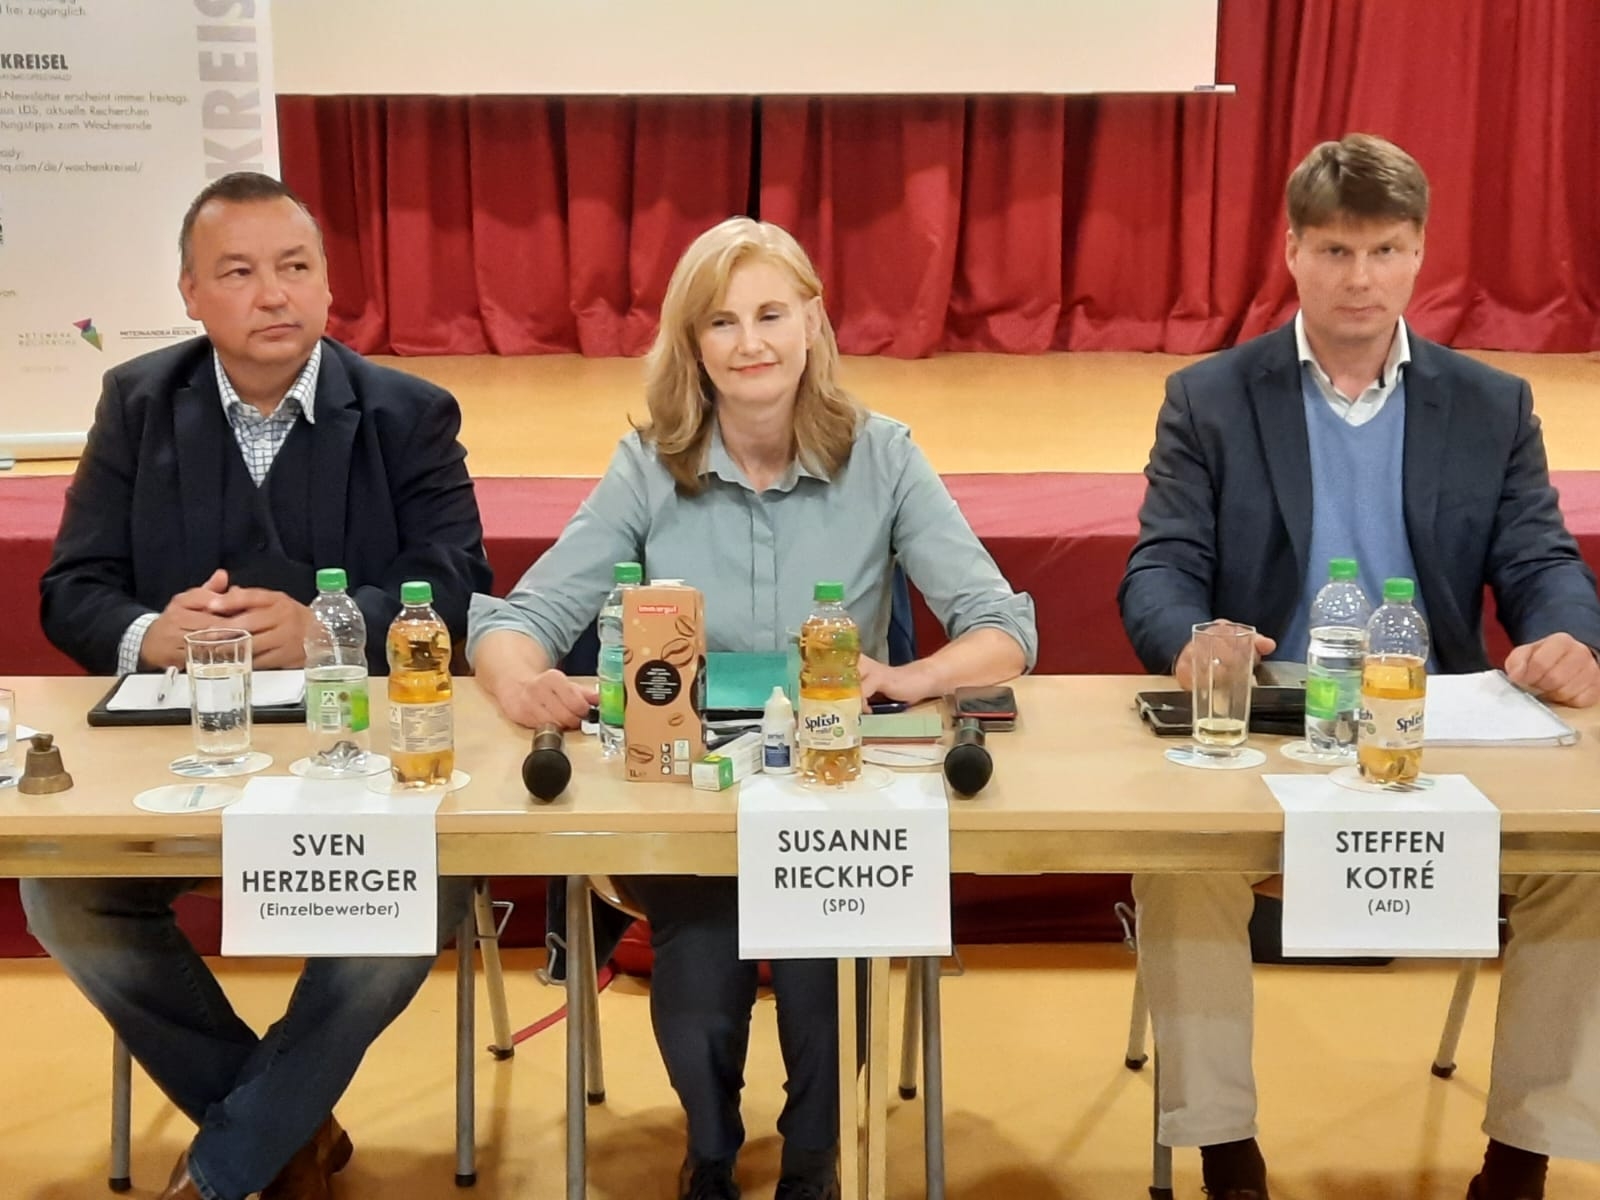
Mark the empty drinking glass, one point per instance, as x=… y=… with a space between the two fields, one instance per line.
x=1224 y=666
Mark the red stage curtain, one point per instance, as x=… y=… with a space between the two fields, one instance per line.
x=520 y=225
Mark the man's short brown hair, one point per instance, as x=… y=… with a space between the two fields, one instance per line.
x=239 y=187
x=1360 y=176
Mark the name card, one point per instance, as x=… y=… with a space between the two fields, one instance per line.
x=324 y=867
x=855 y=872
x=1389 y=874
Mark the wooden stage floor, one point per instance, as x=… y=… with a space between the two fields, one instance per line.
x=1037 y=1103
x=563 y=414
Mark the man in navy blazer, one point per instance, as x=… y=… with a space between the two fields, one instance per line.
x=166 y=530
x=218 y=476
x=1227 y=517
x=1346 y=435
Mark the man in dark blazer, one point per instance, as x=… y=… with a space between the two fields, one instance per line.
x=166 y=530
x=1346 y=435
x=218 y=476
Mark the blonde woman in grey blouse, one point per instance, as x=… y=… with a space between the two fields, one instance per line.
x=755 y=476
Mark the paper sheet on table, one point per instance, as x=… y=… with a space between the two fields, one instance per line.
x=1488 y=709
x=138 y=693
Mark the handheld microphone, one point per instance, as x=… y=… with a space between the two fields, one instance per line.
x=546 y=770
x=967 y=766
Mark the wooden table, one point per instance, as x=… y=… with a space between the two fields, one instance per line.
x=1081 y=786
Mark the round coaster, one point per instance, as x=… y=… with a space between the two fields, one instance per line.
x=385 y=785
x=191 y=767
x=872 y=777
x=1303 y=752
x=1242 y=761
x=918 y=756
x=187 y=797
x=1350 y=777
x=371 y=764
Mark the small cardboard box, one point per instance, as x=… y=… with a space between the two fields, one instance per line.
x=664 y=669
x=728 y=764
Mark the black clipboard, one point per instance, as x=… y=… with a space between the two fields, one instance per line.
x=1274 y=710
x=101 y=717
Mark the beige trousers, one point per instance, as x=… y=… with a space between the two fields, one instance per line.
x=1544 y=1091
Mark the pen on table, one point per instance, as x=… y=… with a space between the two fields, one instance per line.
x=167 y=683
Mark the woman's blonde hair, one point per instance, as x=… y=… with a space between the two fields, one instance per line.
x=680 y=394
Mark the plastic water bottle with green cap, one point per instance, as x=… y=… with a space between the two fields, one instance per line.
x=829 y=728
x=613 y=690
x=1394 y=686
x=1334 y=655
x=338 y=710
x=422 y=735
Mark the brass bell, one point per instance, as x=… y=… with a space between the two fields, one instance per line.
x=44 y=773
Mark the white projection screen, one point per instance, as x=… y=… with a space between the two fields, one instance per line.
x=741 y=47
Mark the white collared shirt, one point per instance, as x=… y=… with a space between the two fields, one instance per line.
x=261 y=437
x=1362 y=408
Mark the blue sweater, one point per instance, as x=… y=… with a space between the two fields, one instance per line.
x=1357 y=506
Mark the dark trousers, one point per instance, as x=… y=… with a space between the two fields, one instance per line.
x=701 y=996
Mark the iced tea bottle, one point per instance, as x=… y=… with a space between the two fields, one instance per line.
x=422 y=744
x=1394 y=685
x=828 y=733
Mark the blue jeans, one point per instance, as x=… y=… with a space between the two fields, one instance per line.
x=257 y=1100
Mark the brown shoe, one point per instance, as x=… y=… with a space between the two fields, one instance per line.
x=333 y=1146
x=1479 y=1190
x=306 y=1176
x=1234 y=1171
x=179 y=1185
x=1509 y=1173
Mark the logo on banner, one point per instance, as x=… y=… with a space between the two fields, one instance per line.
x=88 y=332
x=44 y=339
x=162 y=335
x=34 y=63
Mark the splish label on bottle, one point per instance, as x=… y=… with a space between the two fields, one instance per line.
x=1392 y=724
x=829 y=724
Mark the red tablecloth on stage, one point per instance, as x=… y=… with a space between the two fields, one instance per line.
x=1062 y=537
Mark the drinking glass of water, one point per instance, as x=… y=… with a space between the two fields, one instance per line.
x=1224 y=666
x=219 y=694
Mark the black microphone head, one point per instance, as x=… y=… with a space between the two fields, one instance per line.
x=967 y=766
x=546 y=771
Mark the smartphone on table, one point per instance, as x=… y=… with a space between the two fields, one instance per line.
x=994 y=706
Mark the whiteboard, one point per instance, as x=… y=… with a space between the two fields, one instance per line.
x=741 y=47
